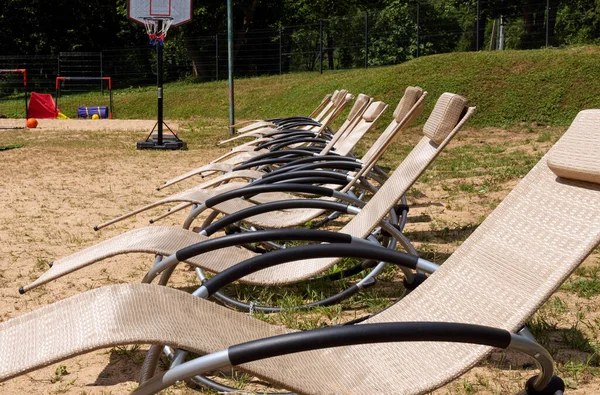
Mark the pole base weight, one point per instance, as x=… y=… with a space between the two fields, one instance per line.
x=167 y=145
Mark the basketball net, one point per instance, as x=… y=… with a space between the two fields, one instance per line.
x=157 y=28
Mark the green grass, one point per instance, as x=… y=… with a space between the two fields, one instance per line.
x=8 y=147
x=510 y=87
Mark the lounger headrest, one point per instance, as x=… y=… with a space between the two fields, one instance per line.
x=576 y=156
x=335 y=95
x=360 y=102
x=374 y=110
x=411 y=95
x=444 y=117
x=339 y=98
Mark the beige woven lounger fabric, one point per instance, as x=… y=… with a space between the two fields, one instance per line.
x=238 y=158
x=409 y=108
x=253 y=124
x=336 y=108
x=360 y=226
x=324 y=107
x=499 y=277
x=192 y=195
x=354 y=116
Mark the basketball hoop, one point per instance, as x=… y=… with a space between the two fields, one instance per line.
x=158 y=16
x=157 y=28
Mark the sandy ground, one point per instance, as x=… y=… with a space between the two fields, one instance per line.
x=62 y=182
x=85 y=124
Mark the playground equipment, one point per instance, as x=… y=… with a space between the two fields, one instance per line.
x=42 y=106
x=24 y=72
x=158 y=16
x=108 y=113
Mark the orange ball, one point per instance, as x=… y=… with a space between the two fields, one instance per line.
x=32 y=123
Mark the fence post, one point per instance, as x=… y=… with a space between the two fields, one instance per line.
x=418 y=28
x=477 y=34
x=101 y=74
x=547 y=23
x=217 y=55
x=321 y=46
x=280 y=50
x=366 y=40
x=230 y=65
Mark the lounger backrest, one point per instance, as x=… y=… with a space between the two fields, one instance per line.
x=321 y=105
x=518 y=257
x=411 y=167
x=409 y=108
x=368 y=119
x=354 y=116
x=336 y=111
x=335 y=97
x=381 y=203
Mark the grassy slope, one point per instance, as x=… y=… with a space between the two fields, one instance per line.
x=542 y=86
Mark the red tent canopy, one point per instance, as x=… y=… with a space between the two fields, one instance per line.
x=41 y=105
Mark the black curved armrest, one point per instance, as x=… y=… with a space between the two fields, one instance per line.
x=273 y=206
x=301 y=174
x=290 y=133
x=312 y=159
x=338 y=165
x=283 y=142
x=264 y=162
x=315 y=181
x=313 y=141
x=293 y=162
x=280 y=119
x=340 y=336
x=274 y=258
x=246 y=238
x=298 y=123
x=252 y=190
x=278 y=154
x=237 y=239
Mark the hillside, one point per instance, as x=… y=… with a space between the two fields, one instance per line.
x=509 y=87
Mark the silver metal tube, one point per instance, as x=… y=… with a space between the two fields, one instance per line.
x=179 y=358
x=373 y=273
x=525 y=332
x=353 y=210
x=160 y=267
x=201 y=292
x=542 y=358
x=189 y=369
x=192 y=216
x=200 y=275
x=426 y=266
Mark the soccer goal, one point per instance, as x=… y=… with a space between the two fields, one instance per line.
x=77 y=85
x=13 y=83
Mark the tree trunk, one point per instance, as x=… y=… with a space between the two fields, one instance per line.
x=198 y=68
x=330 y=59
x=554 y=5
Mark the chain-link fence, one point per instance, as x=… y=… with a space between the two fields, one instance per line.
x=387 y=37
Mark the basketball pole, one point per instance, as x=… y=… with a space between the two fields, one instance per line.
x=159 y=84
x=160 y=142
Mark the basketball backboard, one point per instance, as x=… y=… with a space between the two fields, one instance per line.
x=179 y=10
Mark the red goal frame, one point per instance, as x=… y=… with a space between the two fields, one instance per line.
x=24 y=72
